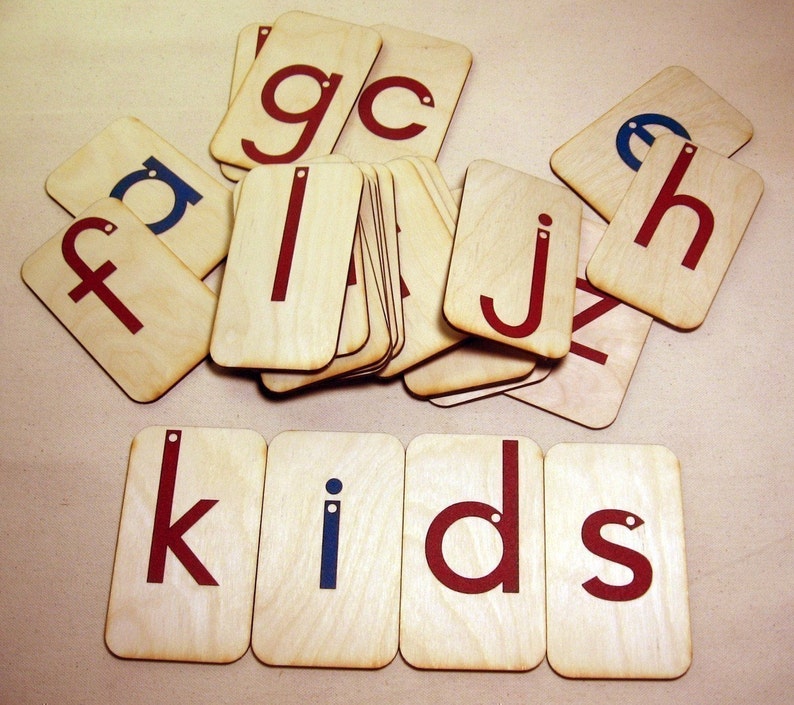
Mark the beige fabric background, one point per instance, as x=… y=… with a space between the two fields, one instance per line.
x=720 y=397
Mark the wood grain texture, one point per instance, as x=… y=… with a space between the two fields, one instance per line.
x=354 y=326
x=394 y=117
x=591 y=637
x=441 y=627
x=296 y=327
x=297 y=39
x=590 y=163
x=354 y=624
x=371 y=356
x=177 y=619
x=588 y=385
x=199 y=237
x=661 y=276
x=513 y=270
x=153 y=293
x=474 y=364
x=250 y=41
x=425 y=245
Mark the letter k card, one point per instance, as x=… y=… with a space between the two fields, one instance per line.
x=183 y=579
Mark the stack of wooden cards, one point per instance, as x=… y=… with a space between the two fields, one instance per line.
x=656 y=166
x=348 y=255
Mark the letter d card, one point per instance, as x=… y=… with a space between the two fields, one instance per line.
x=473 y=573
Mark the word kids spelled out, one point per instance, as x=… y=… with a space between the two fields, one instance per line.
x=348 y=255
x=461 y=551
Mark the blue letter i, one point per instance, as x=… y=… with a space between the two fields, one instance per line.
x=330 y=550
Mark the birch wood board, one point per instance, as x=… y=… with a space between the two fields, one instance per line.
x=171 y=616
x=675 y=234
x=250 y=41
x=409 y=98
x=189 y=210
x=130 y=302
x=589 y=384
x=373 y=354
x=355 y=622
x=495 y=485
x=293 y=238
x=474 y=364
x=600 y=161
x=425 y=246
x=626 y=502
x=336 y=58
x=512 y=273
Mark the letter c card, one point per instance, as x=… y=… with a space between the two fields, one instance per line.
x=616 y=579
x=473 y=558
x=185 y=568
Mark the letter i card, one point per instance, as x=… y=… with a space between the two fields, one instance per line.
x=185 y=568
x=328 y=586
x=616 y=578
x=473 y=558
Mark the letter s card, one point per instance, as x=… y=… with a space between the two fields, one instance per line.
x=616 y=581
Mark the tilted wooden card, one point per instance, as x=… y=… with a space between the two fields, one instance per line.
x=250 y=41
x=132 y=304
x=513 y=271
x=185 y=568
x=541 y=370
x=473 y=578
x=676 y=231
x=616 y=578
x=600 y=162
x=183 y=205
x=474 y=364
x=354 y=327
x=280 y=305
x=588 y=385
x=409 y=98
x=328 y=591
x=299 y=91
x=425 y=245
x=373 y=354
